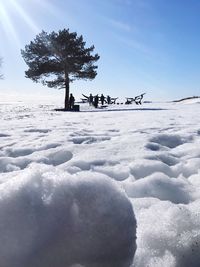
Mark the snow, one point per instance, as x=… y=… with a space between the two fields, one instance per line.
x=68 y=178
x=49 y=218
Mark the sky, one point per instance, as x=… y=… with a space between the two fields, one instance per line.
x=149 y=46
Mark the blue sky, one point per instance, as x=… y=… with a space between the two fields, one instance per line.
x=147 y=46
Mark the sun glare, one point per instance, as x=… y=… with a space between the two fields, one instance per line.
x=17 y=14
x=6 y=22
x=25 y=16
x=11 y=10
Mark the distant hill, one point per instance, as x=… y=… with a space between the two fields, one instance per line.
x=186 y=98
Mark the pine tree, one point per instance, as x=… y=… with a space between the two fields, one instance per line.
x=56 y=59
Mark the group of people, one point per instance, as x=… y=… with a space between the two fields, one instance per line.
x=94 y=100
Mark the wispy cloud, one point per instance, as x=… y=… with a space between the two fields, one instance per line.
x=120 y=25
x=132 y=43
x=150 y=53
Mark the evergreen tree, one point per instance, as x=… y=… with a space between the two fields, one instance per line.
x=56 y=59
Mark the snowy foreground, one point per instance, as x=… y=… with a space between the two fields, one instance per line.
x=65 y=177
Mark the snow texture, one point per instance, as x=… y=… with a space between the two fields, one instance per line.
x=51 y=219
x=65 y=178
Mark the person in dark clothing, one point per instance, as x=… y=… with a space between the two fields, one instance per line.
x=96 y=101
x=102 y=99
x=90 y=99
x=108 y=99
x=71 y=102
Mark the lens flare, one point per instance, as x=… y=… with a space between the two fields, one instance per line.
x=26 y=17
x=6 y=23
x=10 y=12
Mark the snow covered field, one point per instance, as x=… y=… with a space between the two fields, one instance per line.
x=151 y=151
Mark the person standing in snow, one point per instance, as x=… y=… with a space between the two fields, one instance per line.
x=71 y=102
x=96 y=101
x=90 y=99
x=102 y=99
x=108 y=99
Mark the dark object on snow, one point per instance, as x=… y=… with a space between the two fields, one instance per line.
x=90 y=99
x=96 y=101
x=111 y=100
x=102 y=98
x=108 y=99
x=137 y=99
x=71 y=102
x=84 y=100
x=76 y=108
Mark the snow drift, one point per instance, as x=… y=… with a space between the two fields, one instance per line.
x=52 y=219
x=152 y=152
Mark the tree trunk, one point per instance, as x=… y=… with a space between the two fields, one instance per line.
x=66 y=91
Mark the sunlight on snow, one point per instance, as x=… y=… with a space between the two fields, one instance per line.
x=80 y=165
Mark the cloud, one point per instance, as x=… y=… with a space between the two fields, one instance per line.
x=134 y=44
x=120 y=25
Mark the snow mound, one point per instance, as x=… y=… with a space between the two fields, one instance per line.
x=173 y=240
x=53 y=219
x=160 y=186
x=168 y=140
x=188 y=100
x=142 y=168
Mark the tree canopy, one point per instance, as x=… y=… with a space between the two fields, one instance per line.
x=56 y=59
